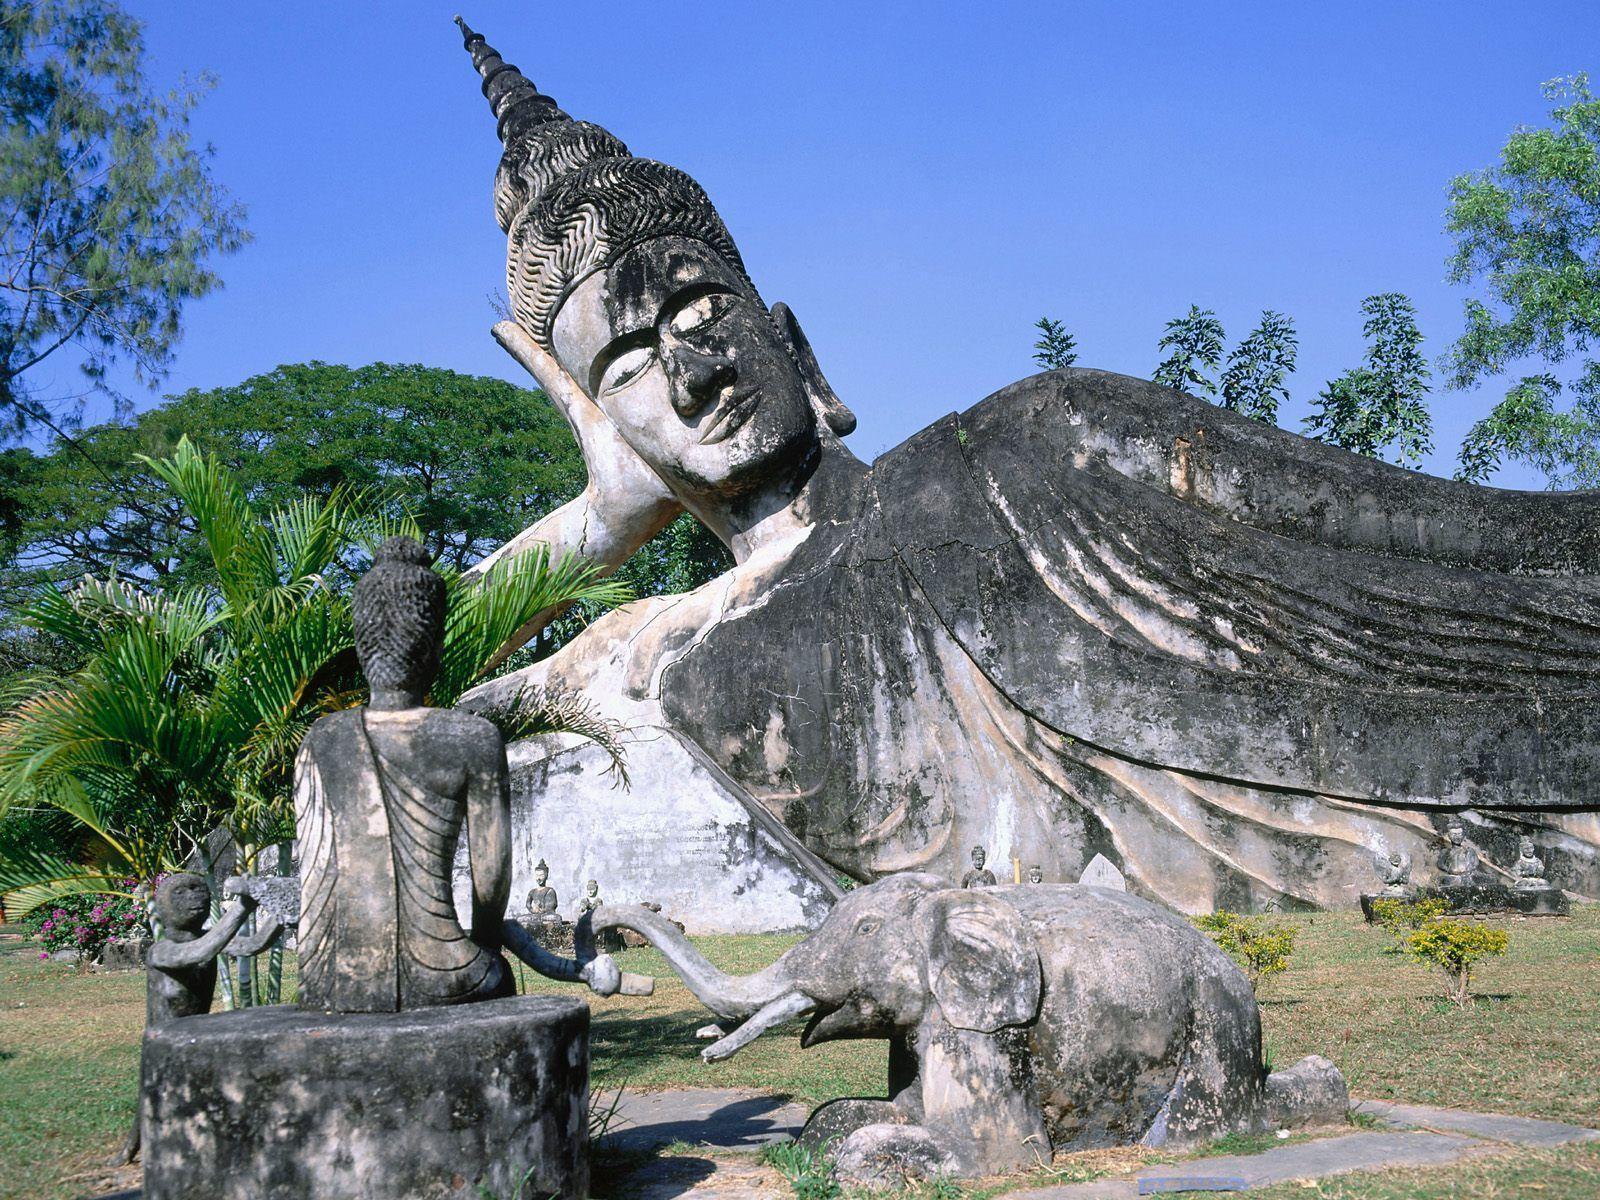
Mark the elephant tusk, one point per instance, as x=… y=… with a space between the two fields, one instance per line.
x=782 y=1009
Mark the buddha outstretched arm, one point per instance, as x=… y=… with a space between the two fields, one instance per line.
x=623 y=505
x=489 y=839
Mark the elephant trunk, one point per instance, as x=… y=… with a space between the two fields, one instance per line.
x=730 y=996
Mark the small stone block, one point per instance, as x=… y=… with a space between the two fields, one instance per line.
x=1488 y=898
x=426 y=1104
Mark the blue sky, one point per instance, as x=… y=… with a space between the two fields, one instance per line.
x=919 y=181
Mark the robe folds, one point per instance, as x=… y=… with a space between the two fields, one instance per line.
x=1093 y=615
x=378 y=928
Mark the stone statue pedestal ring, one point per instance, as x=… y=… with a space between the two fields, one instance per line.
x=451 y=1101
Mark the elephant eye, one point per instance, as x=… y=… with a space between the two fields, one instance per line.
x=867 y=926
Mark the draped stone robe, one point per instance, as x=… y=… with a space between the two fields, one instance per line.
x=378 y=928
x=1092 y=615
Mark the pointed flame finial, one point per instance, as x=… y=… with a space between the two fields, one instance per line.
x=509 y=92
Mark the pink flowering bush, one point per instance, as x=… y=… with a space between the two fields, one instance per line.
x=86 y=923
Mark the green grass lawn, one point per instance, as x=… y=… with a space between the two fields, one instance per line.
x=1530 y=1045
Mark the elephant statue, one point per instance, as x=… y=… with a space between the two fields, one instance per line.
x=1021 y=1021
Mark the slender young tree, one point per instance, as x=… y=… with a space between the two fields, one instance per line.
x=1528 y=229
x=1380 y=408
x=1255 y=382
x=1193 y=347
x=109 y=216
x=1055 y=348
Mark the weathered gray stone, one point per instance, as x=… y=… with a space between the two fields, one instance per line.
x=1312 y=1092
x=436 y=1102
x=1019 y=1018
x=1088 y=615
x=1485 y=898
x=1102 y=872
x=884 y=1157
x=123 y=954
x=378 y=932
x=681 y=837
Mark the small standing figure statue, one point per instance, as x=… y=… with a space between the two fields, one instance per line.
x=1396 y=873
x=1036 y=874
x=542 y=899
x=979 y=876
x=1528 y=869
x=181 y=968
x=1458 y=865
x=607 y=941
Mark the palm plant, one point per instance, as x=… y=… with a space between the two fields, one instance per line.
x=191 y=702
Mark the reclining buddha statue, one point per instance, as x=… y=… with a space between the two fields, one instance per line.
x=1089 y=615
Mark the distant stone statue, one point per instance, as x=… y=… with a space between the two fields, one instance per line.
x=1458 y=865
x=542 y=898
x=181 y=967
x=979 y=875
x=1528 y=869
x=1395 y=872
x=590 y=900
x=381 y=795
x=1035 y=874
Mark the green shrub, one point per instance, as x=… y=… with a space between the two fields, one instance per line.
x=1400 y=917
x=1260 y=947
x=1454 y=945
x=85 y=923
x=809 y=1174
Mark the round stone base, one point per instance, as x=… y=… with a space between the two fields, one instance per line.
x=284 y=1104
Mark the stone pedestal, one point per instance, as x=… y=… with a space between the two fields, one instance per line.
x=1483 y=899
x=284 y=1104
x=1497 y=898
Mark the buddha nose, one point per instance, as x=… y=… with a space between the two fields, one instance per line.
x=698 y=378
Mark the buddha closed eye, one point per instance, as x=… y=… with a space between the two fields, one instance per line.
x=684 y=359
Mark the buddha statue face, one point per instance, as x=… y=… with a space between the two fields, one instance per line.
x=183 y=901
x=591 y=888
x=540 y=874
x=677 y=350
x=1456 y=833
x=1394 y=859
x=979 y=857
x=1525 y=847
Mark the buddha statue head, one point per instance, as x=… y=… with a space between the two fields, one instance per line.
x=1525 y=847
x=622 y=269
x=979 y=857
x=541 y=873
x=398 y=610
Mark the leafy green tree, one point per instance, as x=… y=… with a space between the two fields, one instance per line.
x=1527 y=427
x=1193 y=346
x=1056 y=348
x=471 y=460
x=192 y=699
x=1255 y=381
x=1529 y=230
x=109 y=216
x=1381 y=407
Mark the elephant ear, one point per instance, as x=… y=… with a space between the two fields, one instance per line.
x=982 y=962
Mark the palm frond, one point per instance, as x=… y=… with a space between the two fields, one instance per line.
x=240 y=553
x=485 y=613
x=23 y=900
x=536 y=710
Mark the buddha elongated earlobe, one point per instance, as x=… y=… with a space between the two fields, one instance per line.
x=824 y=399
